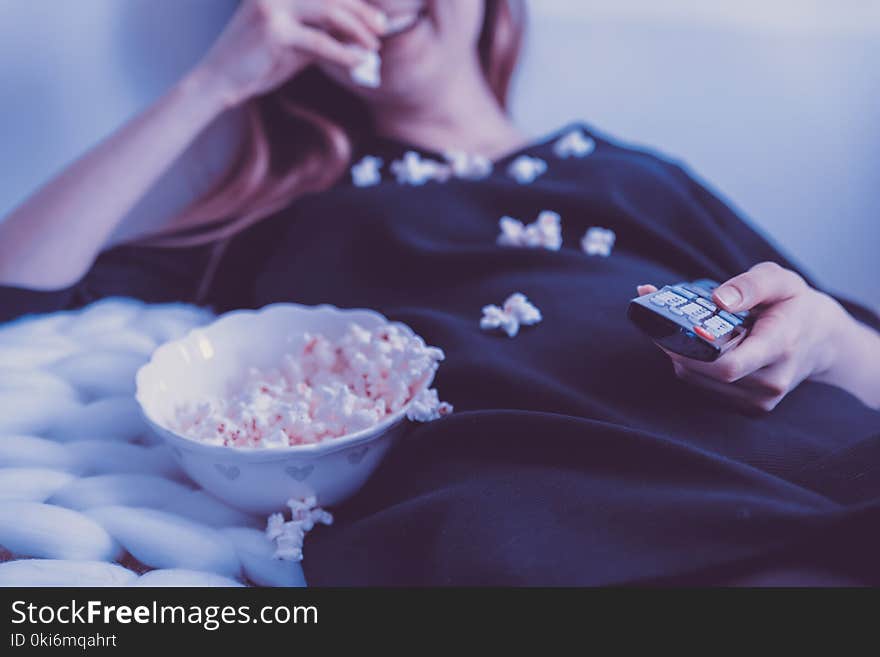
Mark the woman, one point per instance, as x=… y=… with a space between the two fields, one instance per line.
x=575 y=456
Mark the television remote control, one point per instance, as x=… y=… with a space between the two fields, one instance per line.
x=683 y=319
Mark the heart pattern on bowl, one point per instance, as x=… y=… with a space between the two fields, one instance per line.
x=355 y=456
x=231 y=472
x=299 y=473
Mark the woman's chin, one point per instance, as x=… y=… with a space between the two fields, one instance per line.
x=403 y=90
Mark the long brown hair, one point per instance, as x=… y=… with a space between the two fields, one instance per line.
x=301 y=137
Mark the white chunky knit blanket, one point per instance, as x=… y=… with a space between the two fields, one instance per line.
x=88 y=497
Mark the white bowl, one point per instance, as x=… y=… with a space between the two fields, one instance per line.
x=260 y=480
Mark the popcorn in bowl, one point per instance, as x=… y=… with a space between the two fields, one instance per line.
x=325 y=390
x=344 y=381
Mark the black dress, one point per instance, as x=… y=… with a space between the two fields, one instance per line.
x=574 y=455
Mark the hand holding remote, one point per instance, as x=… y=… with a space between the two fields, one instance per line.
x=797 y=335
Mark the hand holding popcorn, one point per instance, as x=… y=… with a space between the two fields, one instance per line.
x=268 y=42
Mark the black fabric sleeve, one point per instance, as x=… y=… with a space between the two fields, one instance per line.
x=18 y=301
x=748 y=245
x=150 y=274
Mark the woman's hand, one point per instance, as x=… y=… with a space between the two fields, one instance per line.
x=799 y=333
x=268 y=42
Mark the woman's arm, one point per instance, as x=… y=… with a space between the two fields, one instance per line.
x=51 y=240
x=856 y=361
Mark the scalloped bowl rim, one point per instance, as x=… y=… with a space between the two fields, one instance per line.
x=271 y=454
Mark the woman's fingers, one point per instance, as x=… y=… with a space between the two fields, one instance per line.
x=736 y=363
x=294 y=25
x=759 y=372
x=768 y=341
x=738 y=397
x=323 y=46
x=773 y=381
x=761 y=388
x=748 y=396
x=349 y=26
x=352 y=21
x=764 y=345
x=786 y=344
x=372 y=16
x=765 y=283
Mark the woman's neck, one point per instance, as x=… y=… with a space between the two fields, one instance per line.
x=464 y=116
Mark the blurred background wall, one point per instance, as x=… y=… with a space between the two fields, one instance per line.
x=775 y=103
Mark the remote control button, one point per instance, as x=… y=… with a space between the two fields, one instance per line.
x=730 y=317
x=717 y=326
x=695 y=312
x=707 y=304
x=703 y=333
x=675 y=310
x=667 y=298
x=687 y=294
